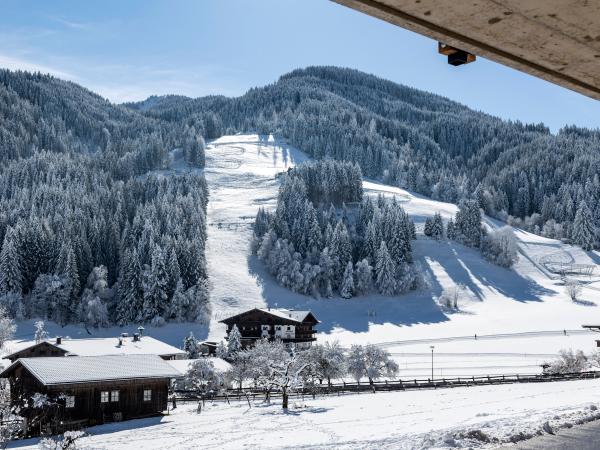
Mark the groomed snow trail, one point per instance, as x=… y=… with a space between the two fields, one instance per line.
x=241 y=173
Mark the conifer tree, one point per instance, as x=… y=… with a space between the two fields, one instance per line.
x=583 y=228
x=234 y=341
x=347 y=288
x=385 y=271
x=10 y=265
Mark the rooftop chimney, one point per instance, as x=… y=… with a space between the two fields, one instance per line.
x=136 y=337
x=141 y=331
x=58 y=340
x=124 y=335
x=120 y=342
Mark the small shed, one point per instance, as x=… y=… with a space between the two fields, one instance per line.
x=58 y=394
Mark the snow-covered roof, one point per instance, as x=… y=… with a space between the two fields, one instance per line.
x=288 y=314
x=292 y=314
x=183 y=365
x=146 y=345
x=87 y=369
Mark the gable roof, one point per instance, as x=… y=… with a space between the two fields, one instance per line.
x=289 y=315
x=86 y=369
x=106 y=346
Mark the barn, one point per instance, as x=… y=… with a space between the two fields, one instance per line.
x=58 y=394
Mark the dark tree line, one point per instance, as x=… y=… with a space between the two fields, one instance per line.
x=87 y=235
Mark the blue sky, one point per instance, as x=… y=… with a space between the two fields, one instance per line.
x=128 y=50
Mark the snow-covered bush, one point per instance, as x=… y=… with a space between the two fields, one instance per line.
x=568 y=361
x=7 y=327
x=572 y=289
x=500 y=247
x=68 y=441
x=327 y=361
x=202 y=377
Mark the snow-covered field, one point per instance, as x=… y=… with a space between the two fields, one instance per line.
x=446 y=418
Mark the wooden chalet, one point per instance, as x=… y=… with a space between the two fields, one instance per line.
x=87 y=390
x=289 y=326
x=121 y=345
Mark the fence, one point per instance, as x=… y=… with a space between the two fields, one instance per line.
x=248 y=394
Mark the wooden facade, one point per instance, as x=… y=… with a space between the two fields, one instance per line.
x=297 y=327
x=73 y=405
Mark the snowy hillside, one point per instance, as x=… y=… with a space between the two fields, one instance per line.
x=525 y=306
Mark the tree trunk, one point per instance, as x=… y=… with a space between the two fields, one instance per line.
x=372 y=385
x=285 y=400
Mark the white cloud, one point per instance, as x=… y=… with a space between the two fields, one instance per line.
x=15 y=63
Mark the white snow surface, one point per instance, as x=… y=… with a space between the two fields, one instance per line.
x=445 y=418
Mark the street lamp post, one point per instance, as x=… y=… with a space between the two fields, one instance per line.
x=432 y=347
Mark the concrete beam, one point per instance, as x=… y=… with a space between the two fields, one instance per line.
x=556 y=40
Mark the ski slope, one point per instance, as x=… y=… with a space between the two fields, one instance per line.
x=242 y=171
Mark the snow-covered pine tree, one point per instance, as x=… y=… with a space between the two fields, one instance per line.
x=451 y=230
x=190 y=346
x=66 y=266
x=427 y=228
x=130 y=288
x=347 y=288
x=155 y=286
x=10 y=265
x=221 y=351
x=584 y=232
x=437 y=227
x=385 y=271
x=234 y=341
x=468 y=223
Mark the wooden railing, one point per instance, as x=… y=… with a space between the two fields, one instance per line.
x=249 y=393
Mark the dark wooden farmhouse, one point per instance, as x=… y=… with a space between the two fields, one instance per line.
x=289 y=326
x=58 y=394
x=121 y=345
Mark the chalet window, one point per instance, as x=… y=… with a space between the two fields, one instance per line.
x=70 y=401
x=104 y=397
x=114 y=396
x=289 y=328
x=147 y=395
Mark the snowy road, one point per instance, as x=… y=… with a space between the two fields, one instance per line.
x=581 y=437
